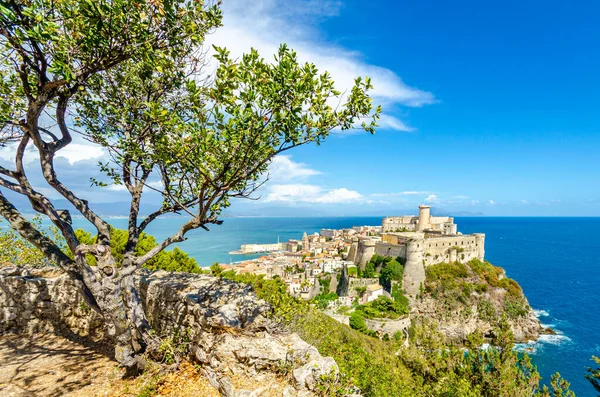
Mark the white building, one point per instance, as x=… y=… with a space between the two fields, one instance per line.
x=373 y=292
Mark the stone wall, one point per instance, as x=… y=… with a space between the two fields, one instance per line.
x=389 y=327
x=43 y=300
x=229 y=327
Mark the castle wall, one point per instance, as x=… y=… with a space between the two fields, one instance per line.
x=364 y=252
x=391 y=224
x=393 y=250
x=455 y=248
x=359 y=282
x=353 y=250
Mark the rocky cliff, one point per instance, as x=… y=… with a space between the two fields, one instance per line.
x=228 y=327
x=464 y=298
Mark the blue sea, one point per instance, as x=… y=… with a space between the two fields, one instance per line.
x=555 y=260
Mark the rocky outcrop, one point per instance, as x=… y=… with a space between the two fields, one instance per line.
x=229 y=330
x=457 y=323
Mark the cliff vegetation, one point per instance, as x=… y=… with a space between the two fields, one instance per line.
x=462 y=298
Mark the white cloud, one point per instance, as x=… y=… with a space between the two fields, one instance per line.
x=342 y=195
x=75 y=152
x=267 y=23
x=393 y=123
x=491 y=202
x=283 y=168
x=432 y=198
x=294 y=193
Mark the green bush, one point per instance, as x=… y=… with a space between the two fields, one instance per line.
x=428 y=367
x=369 y=271
x=322 y=300
x=446 y=271
x=515 y=307
x=383 y=307
x=392 y=271
x=174 y=260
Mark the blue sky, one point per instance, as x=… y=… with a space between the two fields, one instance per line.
x=513 y=127
x=489 y=108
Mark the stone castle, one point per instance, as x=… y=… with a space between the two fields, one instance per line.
x=419 y=242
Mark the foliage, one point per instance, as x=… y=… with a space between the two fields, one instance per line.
x=398 y=296
x=322 y=300
x=352 y=271
x=369 y=271
x=428 y=367
x=173 y=261
x=15 y=250
x=593 y=375
x=486 y=310
x=325 y=283
x=343 y=310
x=458 y=286
x=174 y=347
x=392 y=271
x=360 y=291
x=130 y=77
x=446 y=271
x=384 y=307
x=357 y=321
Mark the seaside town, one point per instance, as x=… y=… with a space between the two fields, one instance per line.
x=342 y=262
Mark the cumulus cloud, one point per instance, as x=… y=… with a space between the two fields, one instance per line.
x=268 y=23
x=284 y=168
x=432 y=198
x=342 y=195
x=296 y=193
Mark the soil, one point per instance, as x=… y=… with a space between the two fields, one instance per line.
x=50 y=365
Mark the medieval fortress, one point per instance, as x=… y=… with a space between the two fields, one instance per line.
x=419 y=242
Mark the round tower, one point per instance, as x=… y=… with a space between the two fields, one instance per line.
x=414 y=269
x=366 y=250
x=424 y=218
x=480 y=245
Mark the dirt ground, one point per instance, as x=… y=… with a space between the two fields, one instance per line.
x=51 y=365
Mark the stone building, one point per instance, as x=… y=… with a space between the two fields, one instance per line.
x=423 y=222
x=431 y=240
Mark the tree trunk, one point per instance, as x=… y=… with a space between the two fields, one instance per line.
x=125 y=317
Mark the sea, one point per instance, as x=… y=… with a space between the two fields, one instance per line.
x=555 y=260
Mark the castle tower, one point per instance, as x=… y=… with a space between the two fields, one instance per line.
x=366 y=250
x=480 y=245
x=424 y=218
x=414 y=269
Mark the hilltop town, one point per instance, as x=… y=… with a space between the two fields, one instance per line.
x=379 y=279
x=414 y=241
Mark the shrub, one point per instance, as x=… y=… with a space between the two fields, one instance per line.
x=174 y=260
x=383 y=307
x=448 y=271
x=357 y=321
x=486 y=310
x=515 y=307
x=322 y=300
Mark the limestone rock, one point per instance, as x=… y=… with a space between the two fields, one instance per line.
x=229 y=328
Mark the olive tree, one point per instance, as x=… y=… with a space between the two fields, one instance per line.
x=132 y=77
